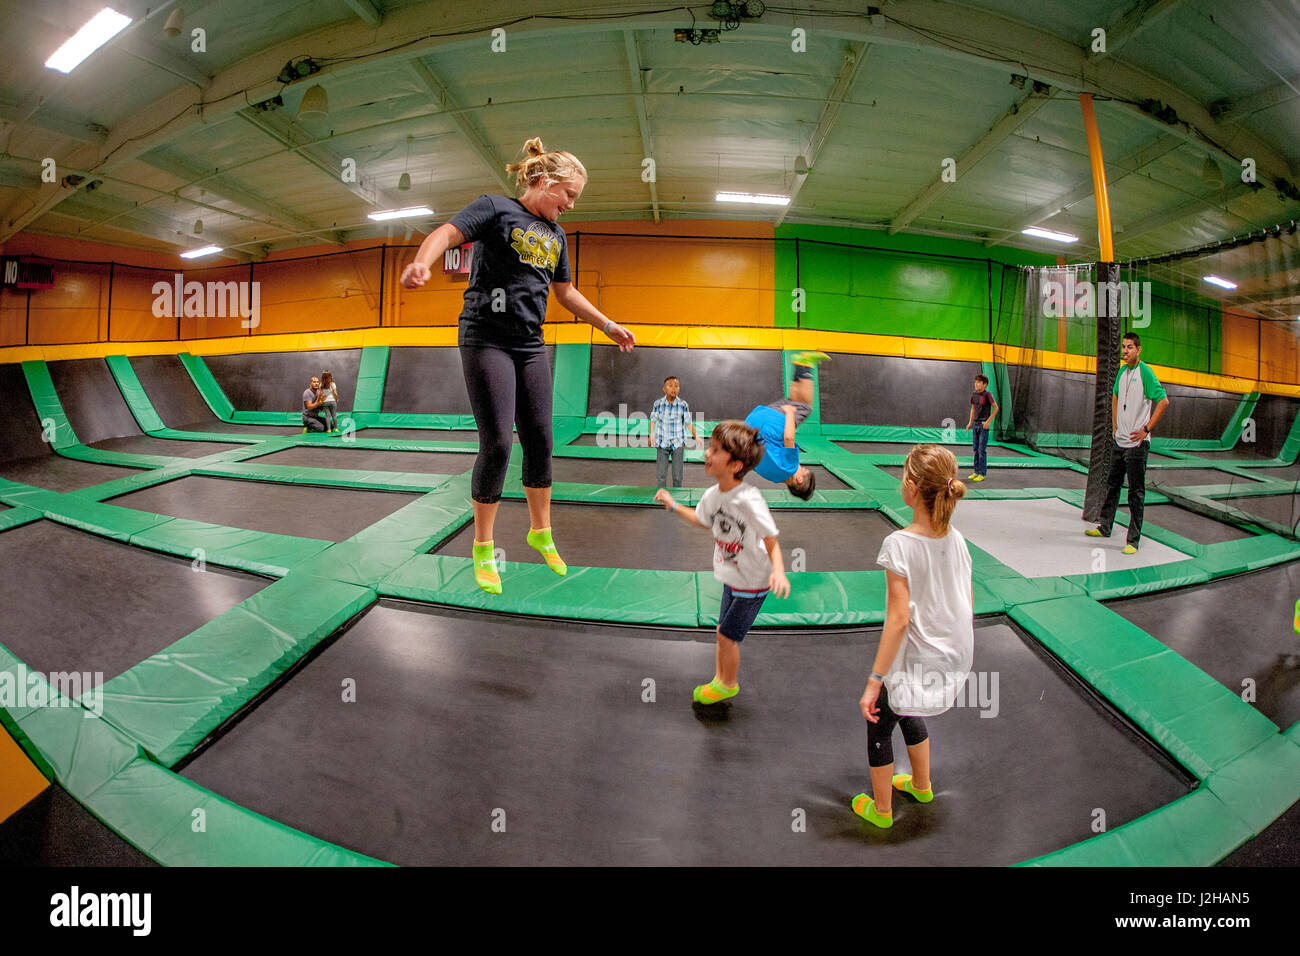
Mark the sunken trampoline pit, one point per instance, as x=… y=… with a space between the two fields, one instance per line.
x=471 y=713
x=370 y=459
x=648 y=537
x=1234 y=629
x=1014 y=478
x=56 y=473
x=176 y=399
x=903 y=447
x=306 y=511
x=609 y=471
x=77 y=602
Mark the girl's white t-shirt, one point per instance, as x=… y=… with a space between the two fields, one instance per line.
x=935 y=657
x=740 y=520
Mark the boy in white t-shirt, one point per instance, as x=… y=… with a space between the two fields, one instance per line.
x=746 y=556
x=928 y=641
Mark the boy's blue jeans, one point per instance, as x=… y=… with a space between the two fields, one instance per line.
x=980 y=439
x=678 y=456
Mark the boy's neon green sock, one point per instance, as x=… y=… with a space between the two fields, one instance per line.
x=903 y=783
x=485 y=567
x=542 y=541
x=714 y=692
x=809 y=357
x=865 y=807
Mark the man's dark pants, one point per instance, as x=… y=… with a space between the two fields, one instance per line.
x=1130 y=463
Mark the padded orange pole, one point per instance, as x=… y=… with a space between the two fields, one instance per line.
x=1098 y=179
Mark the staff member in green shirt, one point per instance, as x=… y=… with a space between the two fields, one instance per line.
x=1134 y=417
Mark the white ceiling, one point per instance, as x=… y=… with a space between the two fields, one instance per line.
x=875 y=104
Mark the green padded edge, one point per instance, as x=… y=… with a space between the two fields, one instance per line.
x=1245 y=408
x=1197 y=720
x=18 y=516
x=149 y=806
x=371 y=377
x=572 y=379
x=259 y=552
x=48 y=406
x=1261 y=784
x=328 y=477
x=128 y=383
x=207 y=385
x=171 y=701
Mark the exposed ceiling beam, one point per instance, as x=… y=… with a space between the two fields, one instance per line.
x=1115 y=171
x=854 y=60
x=143 y=221
x=279 y=127
x=446 y=102
x=143 y=48
x=226 y=187
x=1011 y=120
x=1243 y=107
x=642 y=116
x=366 y=11
x=1131 y=22
x=80 y=130
x=1219 y=200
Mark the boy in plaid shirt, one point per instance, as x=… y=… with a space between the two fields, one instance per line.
x=673 y=416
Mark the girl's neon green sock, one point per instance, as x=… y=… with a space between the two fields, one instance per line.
x=903 y=783
x=485 y=567
x=865 y=807
x=542 y=541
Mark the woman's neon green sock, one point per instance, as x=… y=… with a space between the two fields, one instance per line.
x=485 y=567
x=865 y=807
x=542 y=541
x=903 y=783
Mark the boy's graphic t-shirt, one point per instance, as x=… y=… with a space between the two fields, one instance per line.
x=740 y=520
x=935 y=657
x=516 y=258
x=983 y=402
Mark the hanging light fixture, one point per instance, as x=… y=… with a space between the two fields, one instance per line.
x=198 y=227
x=404 y=183
x=1211 y=175
x=175 y=20
x=315 y=104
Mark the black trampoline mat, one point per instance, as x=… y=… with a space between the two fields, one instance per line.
x=1189 y=524
x=56 y=473
x=1281 y=509
x=172 y=447
x=903 y=447
x=78 y=602
x=607 y=471
x=1016 y=478
x=460 y=715
x=341 y=456
x=217 y=426
x=1178 y=477
x=1284 y=473
x=1244 y=450
x=1233 y=629
x=91 y=399
x=620 y=536
x=423 y=434
x=53 y=829
x=307 y=511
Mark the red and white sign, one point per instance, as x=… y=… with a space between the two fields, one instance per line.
x=456 y=261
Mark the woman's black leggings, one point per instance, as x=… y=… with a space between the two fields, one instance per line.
x=508 y=387
x=880 y=743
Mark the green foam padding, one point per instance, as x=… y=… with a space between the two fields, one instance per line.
x=136 y=399
x=48 y=407
x=18 y=516
x=1192 y=716
x=1245 y=408
x=1107 y=585
x=1261 y=784
x=108 y=521
x=421 y=420
x=572 y=375
x=371 y=375
x=171 y=701
x=1195 y=830
x=331 y=477
x=207 y=385
x=1013 y=591
x=664 y=598
x=1248 y=554
x=266 y=418
x=257 y=551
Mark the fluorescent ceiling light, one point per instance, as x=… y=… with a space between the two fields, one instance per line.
x=98 y=30
x=204 y=251
x=406 y=213
x=1049 y=234
x=760 y=199
x=1221 y=283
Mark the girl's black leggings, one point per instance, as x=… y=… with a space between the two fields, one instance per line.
x=880 y=742
x=508 y=387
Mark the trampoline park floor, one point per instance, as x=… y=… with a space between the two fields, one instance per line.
x=461 y=716
x=462 y=713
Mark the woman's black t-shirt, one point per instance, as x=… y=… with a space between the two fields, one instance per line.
x=516 y=258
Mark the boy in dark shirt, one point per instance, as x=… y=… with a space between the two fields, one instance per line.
x=983 y=406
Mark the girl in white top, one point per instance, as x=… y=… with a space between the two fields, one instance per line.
x=926 y=647
x=330 y=392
